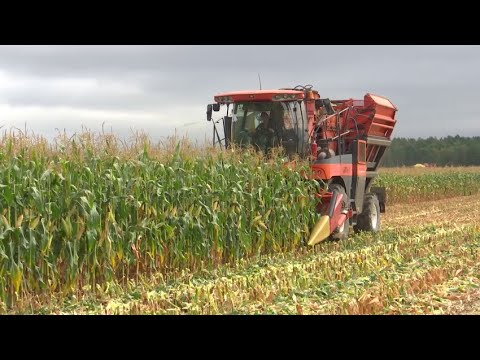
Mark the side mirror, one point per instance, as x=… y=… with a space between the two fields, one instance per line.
x=216 y=107
x=209 y=112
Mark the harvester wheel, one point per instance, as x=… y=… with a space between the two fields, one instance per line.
x=341 y=232
x=369 y=219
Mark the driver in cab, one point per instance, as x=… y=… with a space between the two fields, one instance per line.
x=265 y=125
x=264 y=133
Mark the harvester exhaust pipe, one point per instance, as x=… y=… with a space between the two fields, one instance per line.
x=335 y=216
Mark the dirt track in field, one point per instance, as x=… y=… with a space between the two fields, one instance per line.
x=453 y=212
x=458 y=211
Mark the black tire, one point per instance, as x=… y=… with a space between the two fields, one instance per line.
x=341 y=232
x=369 y=219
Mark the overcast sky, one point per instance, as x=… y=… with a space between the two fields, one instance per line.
x=162 y=89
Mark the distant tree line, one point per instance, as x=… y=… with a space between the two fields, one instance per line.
x=446 y=151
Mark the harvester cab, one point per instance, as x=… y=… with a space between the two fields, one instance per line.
x=343 y=140
x=263 y=119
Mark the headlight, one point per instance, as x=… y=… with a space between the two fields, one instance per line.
x=224 y=99
x=281 y=97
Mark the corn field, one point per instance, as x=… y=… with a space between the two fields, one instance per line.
x=422 y=186
x=83 y=217
x=89 y=217
x=420 y=263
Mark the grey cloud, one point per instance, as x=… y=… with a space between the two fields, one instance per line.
x=434 y=87
x=90 y=100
